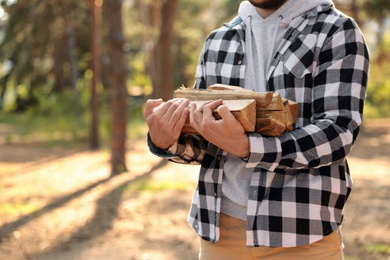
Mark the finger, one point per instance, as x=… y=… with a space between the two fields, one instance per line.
x=164 y=108
x=150 y=105
x=206 y=103
x=175 y=112
x=210 y=107
x=192 y=107
x=195 y=116
x=174 y=109
x=216 y=103
x=225 y=113
x=182 y=120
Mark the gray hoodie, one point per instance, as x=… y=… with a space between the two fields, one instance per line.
x=266 y=34
x=261 y=42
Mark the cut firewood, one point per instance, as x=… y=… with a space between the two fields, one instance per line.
x=275 y=104
x=228 y=87
x=271 y=123
x=264 y=112
x=270 y=126
x=244 y=110
x=288 y=116
x=188 y=129
x=294 y=107
x=263 y=99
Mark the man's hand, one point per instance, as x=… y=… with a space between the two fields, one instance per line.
x=165 y=120
x=226 y=133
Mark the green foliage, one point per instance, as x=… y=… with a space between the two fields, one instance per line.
x=377 y=9
x=40 y=41
x=64 y=118
x=138 y=67
x=33 y=68
x=56 y=117
x=378 y=94
x=17 y=208
x=378 y=248
x=378 y=91
x=148 y=185
x=196 y=19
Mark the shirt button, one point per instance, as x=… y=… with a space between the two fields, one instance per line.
x=215 y=195
x=239 y=62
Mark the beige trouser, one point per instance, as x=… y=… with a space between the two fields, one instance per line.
x=232 y=246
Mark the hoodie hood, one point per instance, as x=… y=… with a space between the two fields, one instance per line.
x=289 y=10
x=263 y=35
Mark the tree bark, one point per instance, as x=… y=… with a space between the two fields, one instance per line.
x=355 y=10
x=117 y=86
x=96 y=6
x=59 y=61
x=70 y=38
x=161 y=56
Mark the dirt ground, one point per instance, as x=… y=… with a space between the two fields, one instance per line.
x=59 y=203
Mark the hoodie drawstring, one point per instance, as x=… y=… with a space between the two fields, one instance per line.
x=273 y=41
x=252 y=81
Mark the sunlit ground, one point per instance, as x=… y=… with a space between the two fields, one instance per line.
x=58 y=203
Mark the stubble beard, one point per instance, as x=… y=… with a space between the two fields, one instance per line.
x=268 y=4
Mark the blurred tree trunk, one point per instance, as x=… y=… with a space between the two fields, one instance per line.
x=117 y=85
x=355 y=10
x=96 y=11
x=65 y=67
x=160 y=61
x=58 y=66
x=379 y=10
x=71 y=46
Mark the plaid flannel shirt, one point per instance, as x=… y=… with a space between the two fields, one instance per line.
x=301 y=179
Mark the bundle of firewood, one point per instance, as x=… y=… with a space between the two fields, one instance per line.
x=264 y=112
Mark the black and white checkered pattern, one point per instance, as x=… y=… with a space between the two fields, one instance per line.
x=301 y=179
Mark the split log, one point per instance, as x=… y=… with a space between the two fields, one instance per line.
x=288 y=116
x=275 y=104
x=270 y=126
x=229 y=87
x=244 y=110
x=294 y=107
x=263 y=99
x=272 y=114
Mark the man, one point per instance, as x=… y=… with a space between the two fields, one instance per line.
x=262 y=197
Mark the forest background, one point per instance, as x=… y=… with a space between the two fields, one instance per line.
x=77 y=73
x=88 y=66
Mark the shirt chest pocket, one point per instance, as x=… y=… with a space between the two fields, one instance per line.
x=299 y=59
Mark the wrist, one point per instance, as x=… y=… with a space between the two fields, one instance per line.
x=244 y=148
x=157 y=144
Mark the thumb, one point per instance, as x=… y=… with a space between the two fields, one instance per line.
x=150 y=105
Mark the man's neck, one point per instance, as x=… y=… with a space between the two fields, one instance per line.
x=265 y=12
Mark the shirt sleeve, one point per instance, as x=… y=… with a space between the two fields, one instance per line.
x=189 y=149
x=337 y=99
x=163 y=153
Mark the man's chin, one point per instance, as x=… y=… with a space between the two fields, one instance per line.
x=267 y=4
